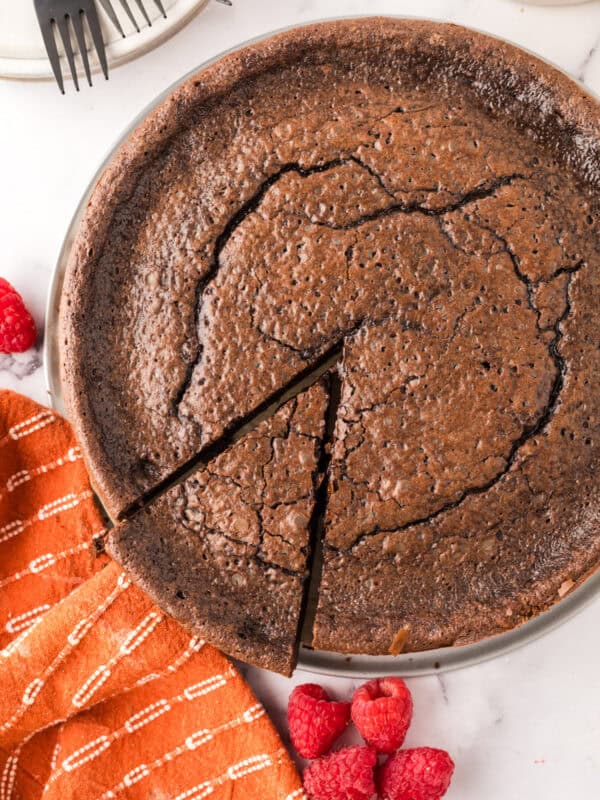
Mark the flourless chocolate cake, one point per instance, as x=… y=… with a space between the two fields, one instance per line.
x=225 y=551
x=417 y=201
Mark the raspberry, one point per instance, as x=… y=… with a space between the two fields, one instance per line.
x=17 y=328
x=420 y=774
x=347 y=774
x=314 y=720
x=382 y=711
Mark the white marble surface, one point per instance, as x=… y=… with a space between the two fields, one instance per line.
x=522 y=727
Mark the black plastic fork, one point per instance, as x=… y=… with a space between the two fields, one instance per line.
x=67 y=15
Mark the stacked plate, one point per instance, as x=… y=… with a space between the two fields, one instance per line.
x=22 y=52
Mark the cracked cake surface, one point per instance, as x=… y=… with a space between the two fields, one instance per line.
x=226 y=550
x=422 y=202
x=452 y=481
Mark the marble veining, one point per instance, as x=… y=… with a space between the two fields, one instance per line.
x=588 y=62
x=525 y=726
x=20 y=365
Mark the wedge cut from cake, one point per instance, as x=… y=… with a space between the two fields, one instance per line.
x=226 y=550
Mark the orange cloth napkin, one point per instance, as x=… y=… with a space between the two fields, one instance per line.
x=101 y=694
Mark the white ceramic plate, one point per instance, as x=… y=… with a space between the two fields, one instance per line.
x=22 y=52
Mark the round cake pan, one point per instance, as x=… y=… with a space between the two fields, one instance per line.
x=318 y=661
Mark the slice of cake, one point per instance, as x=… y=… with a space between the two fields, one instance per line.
x=226 y=550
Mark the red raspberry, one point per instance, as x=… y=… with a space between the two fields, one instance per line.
x=314 y=720
x=420 y=774
x=17 y=328
x=347 y=774
x=382 y=711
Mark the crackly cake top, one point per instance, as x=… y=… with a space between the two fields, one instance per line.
x=419 y=200
x=207 y=271
x=464 y=473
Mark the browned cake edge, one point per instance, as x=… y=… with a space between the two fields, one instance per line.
x=143 y=544
x=257 y=621
x=470 y=624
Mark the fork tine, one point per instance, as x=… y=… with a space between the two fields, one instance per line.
x=50 y=44
x=110 y=12
x=80 y=36
x=127 y=10
x=161 y=8
x=62 y=23
x=140 y=5
x=91 y=16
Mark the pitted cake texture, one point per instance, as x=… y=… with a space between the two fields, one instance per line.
x=420 y=199
x=226 y=550
x=464 y=478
